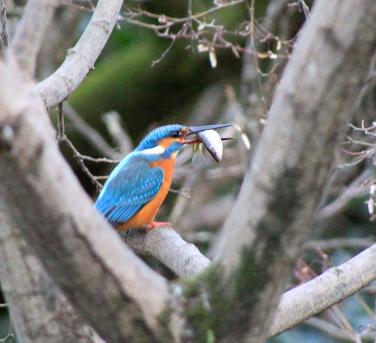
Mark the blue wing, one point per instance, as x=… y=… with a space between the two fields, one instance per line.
x=130 y=186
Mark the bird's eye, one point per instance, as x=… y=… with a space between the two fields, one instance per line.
x=175 y=134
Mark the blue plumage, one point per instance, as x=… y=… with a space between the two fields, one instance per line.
x=152 y=139
x=128 y=189
x=133 y=183
x=137 y=180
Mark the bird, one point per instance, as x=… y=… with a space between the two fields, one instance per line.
x=139 y=184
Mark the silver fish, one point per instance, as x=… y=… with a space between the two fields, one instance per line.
x=213 y=143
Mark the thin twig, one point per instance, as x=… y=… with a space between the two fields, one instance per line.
x=164 y=53
x=356 y=189
x=332 y=330
x=92 y=136
x=62 y=138
x=203 y=35
x=9 y=334
x=119 y=135
x=192 y=16
x=303 y=5
x=340 y=243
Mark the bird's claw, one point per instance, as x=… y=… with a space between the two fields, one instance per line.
x=154 y=225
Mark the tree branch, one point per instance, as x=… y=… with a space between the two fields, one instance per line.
x=327 y=289
x=296 y=305
x=118 y=134
x=81 y=58
x=91 y=135
x=167 y=246
x=82 y=254
x=39 y=311
x=30 y=32
x=340 y=243
x=357 y=188
x=289 y=170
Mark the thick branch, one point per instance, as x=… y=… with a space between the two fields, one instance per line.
x=296 y=305
x=167 y=246
x=324 y=291
x=82 y=254
x=81 y=58
x=271 y=217
x=39 y=311
x=30 y=32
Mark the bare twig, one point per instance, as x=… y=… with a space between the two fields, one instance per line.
x=203 y=35
x=9 y=335
x=89 y=133
x=253 y=97
x=191 y=16
x=333 y=331
x=322 y=292
x=81 y=58
x=121 y=137
x=62 y=138
x=303 y=6
x=340 y=243
x=359 y=187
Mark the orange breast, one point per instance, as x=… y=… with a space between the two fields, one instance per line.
x=147 y=214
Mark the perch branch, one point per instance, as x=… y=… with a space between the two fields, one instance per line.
x=297 y=304
x=168 y=247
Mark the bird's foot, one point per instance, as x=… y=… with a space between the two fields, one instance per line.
x=154 y=225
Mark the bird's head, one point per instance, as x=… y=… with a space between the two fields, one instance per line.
x=166 y=140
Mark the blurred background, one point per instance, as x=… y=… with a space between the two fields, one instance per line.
x=163 y=65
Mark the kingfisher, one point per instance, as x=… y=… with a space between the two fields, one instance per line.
x=139 y=184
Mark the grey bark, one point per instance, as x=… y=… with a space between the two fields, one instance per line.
x=96 y=271
x=82 y=254
x=60 y=36
x=294 y=156
x=39 y=311
x=324 y=291
x=167 y=246
x=81 y=58
x=30 y=33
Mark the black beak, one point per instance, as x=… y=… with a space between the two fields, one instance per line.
x=196 y=129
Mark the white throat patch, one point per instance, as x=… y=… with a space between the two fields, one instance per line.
x=157 y=150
